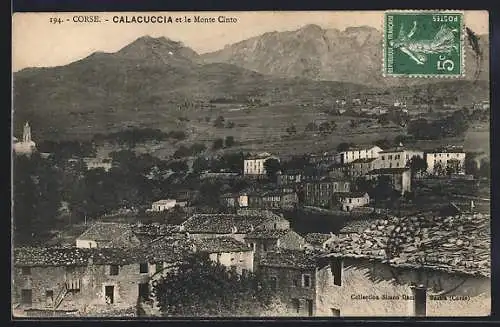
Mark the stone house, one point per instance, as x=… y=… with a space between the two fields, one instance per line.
x=234 y=200
x=266 y=240
x=228 y=252
x=338 y=170
x=360 y=167
x=410 y=266
x=234 y=225
x=407 y=266
x=353 y=200
x=289 y=177
x=445 y=161
x=107 y=235
x=85 y=280
x=322 y=193
x=398 y=157
x=400 y=177
x=274 y=199
x=291 y=274
x=162 y=205
x=317 y=241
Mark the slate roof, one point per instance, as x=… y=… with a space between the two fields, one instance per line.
x=34 y=256
x=222 y=223
x=115 y=234
x=317 y=239
x=267 y=234
x=356 y=226
x=166 y=249
x=456 y=244
x=221 y=244
x=162 y=250
x=154 y=229
x=298 y=259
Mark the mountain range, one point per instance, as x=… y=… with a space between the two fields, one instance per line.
x=354 y=55
x=145 y=82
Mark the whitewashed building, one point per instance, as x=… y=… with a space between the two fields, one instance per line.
x=355 y=153
x=441 y=161
x=254 y=165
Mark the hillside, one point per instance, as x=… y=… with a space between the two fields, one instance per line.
x=352 y=55
x=146 y=83
x=153 y=82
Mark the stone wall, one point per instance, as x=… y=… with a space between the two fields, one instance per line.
x=363 y=281
x=289 y=288
x=93 y=280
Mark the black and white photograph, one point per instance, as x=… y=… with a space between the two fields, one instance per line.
x=250 y=164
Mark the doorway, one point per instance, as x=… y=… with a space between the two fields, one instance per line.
x=144 y=291
x=109 y=292
x=309 y=307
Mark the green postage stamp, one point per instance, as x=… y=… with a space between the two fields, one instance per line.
x=423 y=44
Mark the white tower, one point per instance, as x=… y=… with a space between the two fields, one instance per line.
x=27 y=133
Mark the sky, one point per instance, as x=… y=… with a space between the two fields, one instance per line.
x=36 y=42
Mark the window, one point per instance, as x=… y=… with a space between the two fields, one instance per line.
x=335 y=312
x=274 y=283
x=26 y=296
x=420 y=294
x=49 y=296
x=336 y=269
x=383 y=157
x=90 y=245
x=26 y=271
x=306 y=280
x=346 y=186
x=295 y=283
x=114 y=270
x=264 y=247
x=143 y=268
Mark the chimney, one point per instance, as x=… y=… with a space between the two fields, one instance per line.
x=471 y=205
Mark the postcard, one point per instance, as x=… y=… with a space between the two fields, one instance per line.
x=251 y=164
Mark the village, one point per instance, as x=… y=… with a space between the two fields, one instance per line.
x=406 y=234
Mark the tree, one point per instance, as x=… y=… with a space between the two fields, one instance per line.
x=291 y=130
x=344 y=146
x=218 y=144
x=219 y=122
x=182 y=151
x=272 y=166
x=197 y=148
x=229 y=142
x=311 y=127
x=383 y=143
x=200 y=287
x=470 y=165
x=200 y=164
x=485 y=169
x=418 y=165
x=438 y=169
x=327 y=127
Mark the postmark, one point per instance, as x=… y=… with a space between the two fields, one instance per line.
x=423 y=44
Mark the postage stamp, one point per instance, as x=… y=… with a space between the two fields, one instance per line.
x=423 y=44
